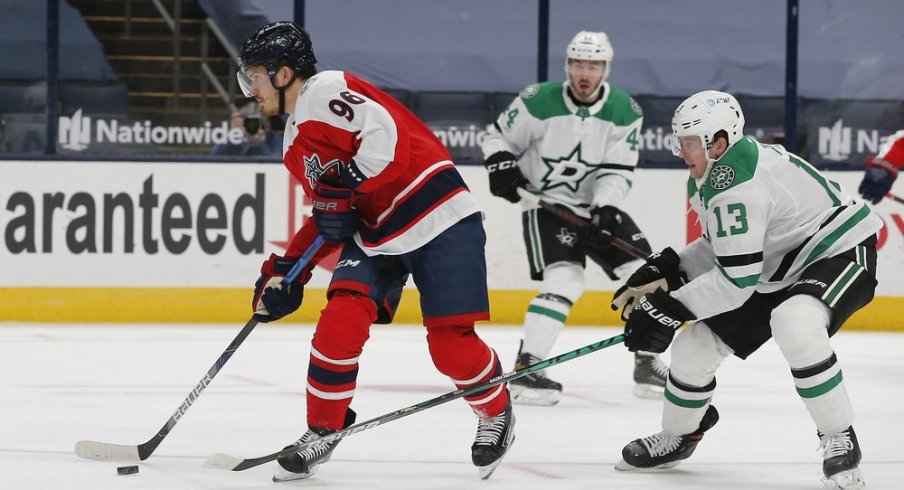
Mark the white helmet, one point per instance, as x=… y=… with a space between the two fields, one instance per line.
x=704 y=114
x=592 y=46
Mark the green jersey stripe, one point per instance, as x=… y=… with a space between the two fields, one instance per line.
x=740 y=282
x=831 y=238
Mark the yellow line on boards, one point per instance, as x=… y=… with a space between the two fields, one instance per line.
x=220 y=305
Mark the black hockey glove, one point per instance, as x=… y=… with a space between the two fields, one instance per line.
x=271 y=300
x=660 y=271
x=604 y=222
x=653 y=324
x=505 y=176
x=877 y=180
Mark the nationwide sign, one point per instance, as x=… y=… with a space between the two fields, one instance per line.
x=838 y=142
x=78 y=132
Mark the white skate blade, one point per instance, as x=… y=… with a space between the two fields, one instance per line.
x=846 y=479
x=528 y=396
x=283 y=475
x=650 y=392
x=486 y=472
x=624 y=466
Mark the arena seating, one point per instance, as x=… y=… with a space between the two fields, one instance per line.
x=86 y=79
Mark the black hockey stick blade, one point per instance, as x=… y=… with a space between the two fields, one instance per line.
x=577 y=221
x=121 y=452
x=222 y=461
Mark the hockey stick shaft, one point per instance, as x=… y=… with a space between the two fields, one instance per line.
x=895 y=198
x=578 y=222
x=226 y=462
x=121 y=452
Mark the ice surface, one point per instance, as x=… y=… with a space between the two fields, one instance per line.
x=120 y=384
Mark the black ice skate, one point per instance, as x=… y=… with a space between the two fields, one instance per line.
x=664 y=450
x=840 y=459
x=495 y=436
x=650 y=374
x=536 y=388
x=305 y=463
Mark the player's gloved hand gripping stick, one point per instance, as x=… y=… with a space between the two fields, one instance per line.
x=565 y=215
x=122 y=452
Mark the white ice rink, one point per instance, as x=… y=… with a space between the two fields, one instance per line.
x=120 y=384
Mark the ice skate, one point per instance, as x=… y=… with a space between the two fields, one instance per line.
x=305 y=463
x=840 y=460
x=495 y=436
x=536 y=388
x=663 y=450
x=650 y=375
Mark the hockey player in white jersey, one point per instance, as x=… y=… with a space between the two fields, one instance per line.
x=573 y=143
x=786 y=253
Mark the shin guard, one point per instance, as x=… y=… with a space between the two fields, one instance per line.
x=339 y=338
x=461 y=355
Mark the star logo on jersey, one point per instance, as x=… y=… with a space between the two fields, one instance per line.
x=314 y=170
x=530 y=91
x=721 y=177
x=568 y=171
x=567 y=238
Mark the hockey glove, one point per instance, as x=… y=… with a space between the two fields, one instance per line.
x=334 y=216
x=660 y=271
x=652 y=325
x=604 y=222
x=271 y=300
x=877 y=180
x=505 y=176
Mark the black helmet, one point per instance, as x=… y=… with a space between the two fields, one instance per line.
x=275 y=41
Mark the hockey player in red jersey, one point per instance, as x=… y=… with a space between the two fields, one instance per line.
x=882 y=169
x=386 y=193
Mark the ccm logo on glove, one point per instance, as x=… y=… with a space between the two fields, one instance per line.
x=505 y=165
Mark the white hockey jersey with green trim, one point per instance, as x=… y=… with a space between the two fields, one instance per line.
x=766 y=215
x=579 y=156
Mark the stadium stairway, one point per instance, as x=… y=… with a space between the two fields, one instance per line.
x=140 y=47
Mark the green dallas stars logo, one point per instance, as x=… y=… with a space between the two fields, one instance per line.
x=721 y=177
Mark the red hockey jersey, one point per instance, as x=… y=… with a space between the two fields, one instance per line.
x=891 y=152
x=409 y=190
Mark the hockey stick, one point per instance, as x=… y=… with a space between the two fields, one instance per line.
x=222 y=461
x=121 y=452
x=894 y=198
x=567 y=216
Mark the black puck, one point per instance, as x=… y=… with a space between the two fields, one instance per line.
x=127 y=470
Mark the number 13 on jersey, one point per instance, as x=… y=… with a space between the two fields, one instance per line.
x=734 y=216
